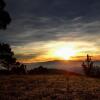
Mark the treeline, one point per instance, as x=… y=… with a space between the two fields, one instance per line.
x=19 y=70
x=43 y=70
x=90 y=69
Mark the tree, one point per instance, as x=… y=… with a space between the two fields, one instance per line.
x=4 y=16
x=89 y=68
x=18 y=68
x=87 y=65
x=7 y=58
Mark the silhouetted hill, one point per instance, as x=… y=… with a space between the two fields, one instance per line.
x=42 y=70
x=71 y=66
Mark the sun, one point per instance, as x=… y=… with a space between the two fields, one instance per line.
x=64 y=53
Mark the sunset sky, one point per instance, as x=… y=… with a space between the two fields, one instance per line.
x=43 y=30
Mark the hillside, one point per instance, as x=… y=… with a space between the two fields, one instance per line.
x=49 y=87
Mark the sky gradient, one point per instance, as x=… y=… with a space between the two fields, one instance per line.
x=41 y=27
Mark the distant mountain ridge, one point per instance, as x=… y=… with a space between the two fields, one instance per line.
x=42 y=70
x=71 y=66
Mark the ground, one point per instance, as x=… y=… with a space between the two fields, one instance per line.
x=49 y=87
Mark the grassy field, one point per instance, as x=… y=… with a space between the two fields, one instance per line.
x=49 y=87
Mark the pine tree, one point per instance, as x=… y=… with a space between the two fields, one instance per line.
x=7 y=58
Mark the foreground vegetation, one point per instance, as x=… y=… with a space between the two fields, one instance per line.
x=49 y=87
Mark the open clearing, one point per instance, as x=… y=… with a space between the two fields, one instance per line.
x=49 y=87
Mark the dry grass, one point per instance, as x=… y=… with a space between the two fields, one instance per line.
x=49 y=87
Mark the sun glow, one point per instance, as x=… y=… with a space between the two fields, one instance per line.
x=65 y=53
x=55 y=50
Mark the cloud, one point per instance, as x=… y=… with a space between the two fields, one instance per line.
x=42 y=21
x=49 y=29
x=29 y=56
x=51 y=8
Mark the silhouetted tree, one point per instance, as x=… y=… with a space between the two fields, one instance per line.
x=18 y=68
x=22 y=69
x=7 y=58
x=87 y=65
x=4 y=16
x=89 y=68
x=38 y=70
